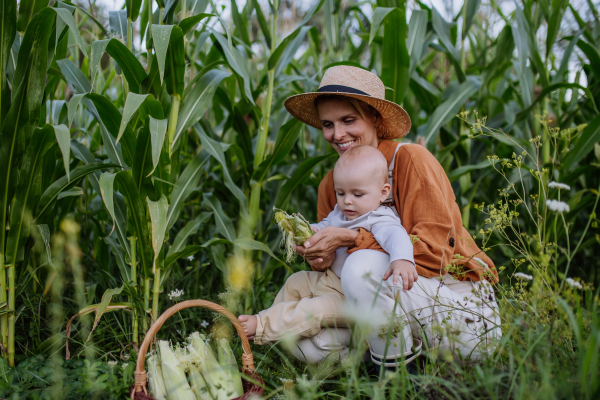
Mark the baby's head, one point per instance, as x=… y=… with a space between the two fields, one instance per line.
x=360 y=180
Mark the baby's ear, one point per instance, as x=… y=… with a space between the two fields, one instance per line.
x=385 y=191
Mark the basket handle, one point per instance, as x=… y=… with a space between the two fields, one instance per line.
x=140 y=372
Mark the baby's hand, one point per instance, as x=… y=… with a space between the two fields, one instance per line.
x=406 y=270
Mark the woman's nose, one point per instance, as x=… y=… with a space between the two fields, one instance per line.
x=338 y=132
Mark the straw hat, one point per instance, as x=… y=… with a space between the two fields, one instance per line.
x=344 y=80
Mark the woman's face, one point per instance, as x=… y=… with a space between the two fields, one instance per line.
x=344 y=127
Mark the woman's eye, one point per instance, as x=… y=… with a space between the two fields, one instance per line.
x=349 y=121
x=326 y=125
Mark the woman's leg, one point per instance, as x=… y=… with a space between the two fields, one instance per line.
x=446 y=316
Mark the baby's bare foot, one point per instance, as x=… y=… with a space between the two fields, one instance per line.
x=249 y=325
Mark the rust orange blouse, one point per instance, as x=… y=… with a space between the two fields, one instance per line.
x=427 y=207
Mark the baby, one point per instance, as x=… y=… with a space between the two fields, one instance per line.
x=312 y=300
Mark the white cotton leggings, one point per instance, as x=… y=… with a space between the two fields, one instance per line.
x=453 y=316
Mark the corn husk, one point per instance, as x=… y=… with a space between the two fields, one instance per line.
x=156 y=382
x=199 y=386
x=295 y=230
x=219 y=385
x=175 y=381
x=229 y=365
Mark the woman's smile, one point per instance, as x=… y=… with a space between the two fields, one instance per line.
x=346 y=145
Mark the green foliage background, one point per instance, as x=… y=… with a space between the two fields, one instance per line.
x=144 y=149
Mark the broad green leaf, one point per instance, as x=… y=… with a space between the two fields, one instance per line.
x=132 y=104
x=175 y=68
x=117 y=250
x=472 y=7
x=251 y=244
x=121 y=222
x=62 y=184
x=158 y=129
x=299 y=176
x=82 y=153
x=98 y=49
x=460 y=171
x=286 y=138
x=224 y=224
x=378 y=17
x=585 y=144
x=214 y=149
x=185 y=185
x=161 y=35
x=262 y=22
x=8 y=21
x=63 y=138
x=556 y=17
x=442 y=28
x=592 y=54
x=104 y=303
x=27 y=9
x=73 y=192
x=289 y=50
x=527 y=87
x=395 y=62
x=132 y=69
x=28 y=192
x=188 y=23
x=142 y=164
x=188 y=230
x=107 y=187
x=240 y=24
x=237 y=62
x=73 y=105
x=158 y=218
x=417 y=27
x=564 y=64
x=68 y=19
x=521 y=41
x=117 y=21
x=450 y=107
x=133 y=9
x=197 y=102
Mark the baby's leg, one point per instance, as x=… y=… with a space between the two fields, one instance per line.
x=300 y=285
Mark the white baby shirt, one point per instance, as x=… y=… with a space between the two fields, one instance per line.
x=385 y=226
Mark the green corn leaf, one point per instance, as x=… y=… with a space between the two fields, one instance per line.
x=472 y=7
x=158 y=218
x=62 y=184
x=556 y=17
x=98 y=49
x=175 y=68
x=121 y=222
x=74 y=76
x=460 y=171
x=395 y=62
x=286 y=138
x=299 y=176
x=564 y=64
x=527 y=87
x=240 y=24
x=237 y=62
x=107 y=184
x=188 y=230
x=82 y=153
x=73 y=105
x=133 y=9
x=63 y=138
x=75 y=191
x=68 y=19
x=251 y=244
x=417 y=28
x=8 y=10
x=104 y=303
x=161 y=36
x=45 y=235
x=98 y=23
x=378 y=17
x=584 y=145
x=142 y=164
x=592 y=54
x=262 y=22
x=190 y=251
x=289 y=49
x=28 y=192
x=132 y=69
x=117 y=250
x=214 y=149
x=522 y=43
x=282 y=49
x=27 y=10
x=443 y=28
x=188 y=23
x=450 y=107
x=197 y=102
x=158 y=129
x=224 y=224
x=117 y=21
x=132 y=104
x=185 y=185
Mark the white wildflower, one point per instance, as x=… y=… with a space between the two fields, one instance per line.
x=124 y=366
x=190 y=258
x=522 y=276
x=204 y=323
x=111 y=363
x=573 y=283
x=481 y=262
x=558 y=206
x=559 y=185
x=175 y=294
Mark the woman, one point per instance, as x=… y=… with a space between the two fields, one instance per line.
x=452 y=305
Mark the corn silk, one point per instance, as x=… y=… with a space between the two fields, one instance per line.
x=295 y=230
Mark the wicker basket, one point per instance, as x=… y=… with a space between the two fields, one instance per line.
x=253 y=386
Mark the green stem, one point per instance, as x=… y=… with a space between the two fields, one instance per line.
x=155 y=293
x=129 y=33
x=146 y=304
x=11 y=315
x=4 y=317
x=160 y=16
x=183 y=10
x=134 y=335
x=175 y=99
x=149 y=38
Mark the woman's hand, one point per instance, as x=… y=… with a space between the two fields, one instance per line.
x=326 y=241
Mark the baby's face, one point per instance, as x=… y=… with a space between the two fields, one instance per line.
x=358 y=190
